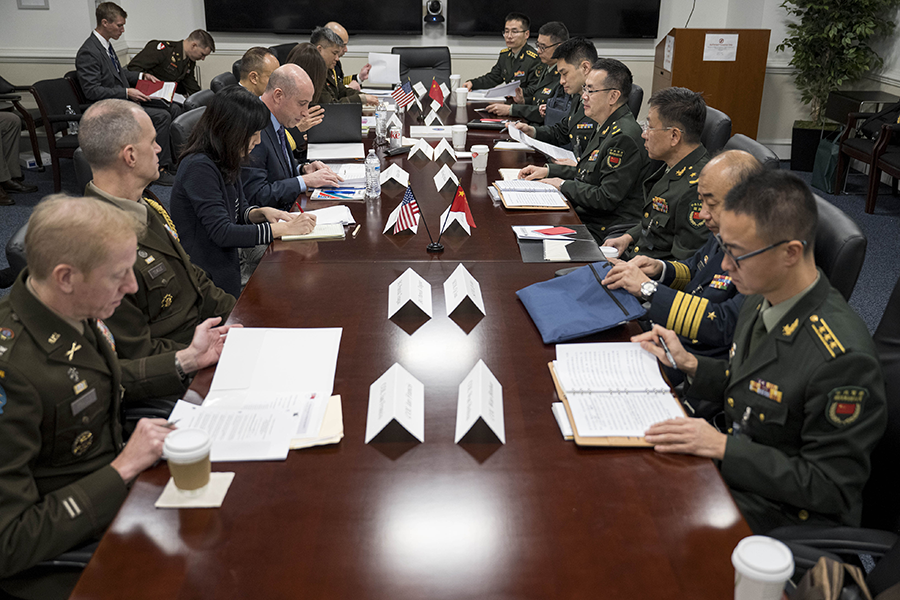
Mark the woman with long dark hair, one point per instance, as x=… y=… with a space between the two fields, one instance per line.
x=307 y=57
x=208 y=203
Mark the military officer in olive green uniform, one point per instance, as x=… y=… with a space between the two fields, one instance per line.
x=175 y=61
x=63 y=465
x=173 y=295
x=575 y=59
x=670 y=226
x=605 y=186
x=330 y=45
x=802 y=389
x=528 y=101
x=517 y=62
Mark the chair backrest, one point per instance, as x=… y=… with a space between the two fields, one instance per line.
x=764 y=155
x=83 y=172
x=422 y=63
x=636 y=99
x=840 y=247
x=881 y=497
x=182 y=127
x=15 y=251
x=72 y=76
x=53 y=96
x=201 y=98
x=282 y=51
x=222 y=81
x=716 y=130
x=236 y=69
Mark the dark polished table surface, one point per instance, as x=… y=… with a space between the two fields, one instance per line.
x=538 y=517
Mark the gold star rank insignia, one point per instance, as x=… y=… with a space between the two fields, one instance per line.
x=711 y=316
x=71 y=352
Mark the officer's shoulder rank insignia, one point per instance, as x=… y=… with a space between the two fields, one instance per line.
x=720 y=281
x=615 y=129
x=693 y=178
x=593 y=156
x=788 y=330
x=504 y=50
x=694 y=215
x=531 y=54
x=660 y=204
x=614 y=157
x=680 y=171
x=54 y=337
x=765 y=389
x=831 y=344
x=845 y=404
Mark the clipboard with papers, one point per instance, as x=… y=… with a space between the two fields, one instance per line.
x=530 y=197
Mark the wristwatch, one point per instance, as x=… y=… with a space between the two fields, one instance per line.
x=648 y=288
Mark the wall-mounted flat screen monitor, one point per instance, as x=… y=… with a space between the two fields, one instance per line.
x=388 y=17
x=591 y=18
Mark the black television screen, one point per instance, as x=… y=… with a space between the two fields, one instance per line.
x=302 y=16
x=593 y=19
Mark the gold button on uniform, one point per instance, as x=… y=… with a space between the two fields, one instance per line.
x=646 y=215
x=730 y=430
x=731 y=402
x=803 y=515
x=727 y=372
x=762 y=417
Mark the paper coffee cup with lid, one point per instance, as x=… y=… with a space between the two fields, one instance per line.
x=187 y=452
x=762 y=565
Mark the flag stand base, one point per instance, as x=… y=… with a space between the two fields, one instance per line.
x=435 y=247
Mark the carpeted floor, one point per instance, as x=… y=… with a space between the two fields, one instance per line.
x=880 y=270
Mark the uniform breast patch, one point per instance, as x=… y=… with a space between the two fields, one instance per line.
x=845 y=404
x=694 y=215
x=7 y=334
x=614 y=158
x=660 y=205
x=765 y=389
x=720 y=282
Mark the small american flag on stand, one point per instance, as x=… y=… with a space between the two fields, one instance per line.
x=409 y=212
x=404 y=95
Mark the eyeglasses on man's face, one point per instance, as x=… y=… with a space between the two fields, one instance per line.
x=507 y=32
x=541 y=47
x=589 y=91
x=645 y=126
x=737 y=259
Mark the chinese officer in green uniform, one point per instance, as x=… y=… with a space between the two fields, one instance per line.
x=528 y=102
x=575 y=59
x=65 y=468
x=173 y=295
x=605 y=186
x=517 y=62
x=670 y=225
x=175 y=61
x=802 y=389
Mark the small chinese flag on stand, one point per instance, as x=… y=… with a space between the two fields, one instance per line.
x=435 y=93
x=458 y=212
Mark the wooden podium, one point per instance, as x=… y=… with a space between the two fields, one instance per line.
x=733 y=85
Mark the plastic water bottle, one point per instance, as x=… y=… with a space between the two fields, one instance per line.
x=380 y=123
x=73 y=125
x=373 y=176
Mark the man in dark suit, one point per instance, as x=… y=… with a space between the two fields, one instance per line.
x=102 y=76
x=273 y=177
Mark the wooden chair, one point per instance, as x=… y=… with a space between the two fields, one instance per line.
x=53 y=96
x=886 y=159
x=863 y=149
x=31 y=118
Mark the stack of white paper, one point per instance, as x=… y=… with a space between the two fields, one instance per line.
x=546 y=149
x=333 y=214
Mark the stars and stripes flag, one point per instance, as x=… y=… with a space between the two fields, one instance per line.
x=408 y=216
x=404 y=95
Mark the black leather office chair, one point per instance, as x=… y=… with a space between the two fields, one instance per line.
x=75 y=82
x=15 y=255
x=222 y=81
x=236 y=69
x=716 y=130
x=182 y=127
x=201 y=98
x=840 y=247
x=422 y=63
x=53 y=96
x=636 y=99
x=764 y=155
x=282 y=51
x=83 y=173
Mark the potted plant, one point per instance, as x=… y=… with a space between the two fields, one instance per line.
x=831 y=41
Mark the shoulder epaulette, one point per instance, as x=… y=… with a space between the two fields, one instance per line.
x=615 y=129
x=531 y=54
x=504 y=50
x=831 y=345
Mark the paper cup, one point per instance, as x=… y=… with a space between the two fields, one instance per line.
x=462 y=95
x=762 y=565
x=187 y=452
x=609 y=252
x=454 y=81
x=459 y=136
x=479 y=158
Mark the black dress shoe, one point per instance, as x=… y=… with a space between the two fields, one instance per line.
x=165 y=178
x=18 y=188
x=5 y=200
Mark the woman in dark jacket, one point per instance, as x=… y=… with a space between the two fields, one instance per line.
x=208 y=203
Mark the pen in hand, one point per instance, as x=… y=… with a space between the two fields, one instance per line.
x=665 y=348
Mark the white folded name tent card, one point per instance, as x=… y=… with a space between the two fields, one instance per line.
x=443 y=176
x=420 y=90
x=395 y=121
x=444 y=151
x=397 y=397
x=409 y=287
x=396 y=173
x=445 y=90
x=433 y=118
x=423 y=148
x=480 y=398
x=459 y=286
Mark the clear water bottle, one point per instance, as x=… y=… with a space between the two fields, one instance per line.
x=73 y=125
x=381 y=123
x=373 y=176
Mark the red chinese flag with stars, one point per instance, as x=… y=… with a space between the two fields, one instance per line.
x=460 y=204
x=435 y=92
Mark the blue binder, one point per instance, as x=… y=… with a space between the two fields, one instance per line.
x=575 y=305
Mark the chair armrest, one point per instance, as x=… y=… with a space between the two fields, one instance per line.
x=853 y=117
x=63 y=118
x=10 y=97
x=839 y=540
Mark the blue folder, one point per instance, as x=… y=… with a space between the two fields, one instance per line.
x=575 y=305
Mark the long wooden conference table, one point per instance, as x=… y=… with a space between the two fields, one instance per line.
x=538 y=517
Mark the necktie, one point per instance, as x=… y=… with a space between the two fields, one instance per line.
x=284 y=148
x=758 y=334
x=114 y=58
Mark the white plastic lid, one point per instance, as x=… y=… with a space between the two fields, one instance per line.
x=458 y=128
x=763 y=558
x=480 y=148
x=609 y=251
x=186 y=445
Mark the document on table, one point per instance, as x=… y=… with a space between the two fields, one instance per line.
x=523 y=185
x=385 y=68
x=497 y=93
x=546 y=149
x=353 y=174
x=335 y=151
x=625 y=414
x=555 y=250
x=534 y=199
x=333 y=214
x=543 y=232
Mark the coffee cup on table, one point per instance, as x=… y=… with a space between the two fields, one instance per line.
x=187 y=452
x=462 y=94
x=479 y=158
x=762 y=565
x=454 y=81
x=459 y=136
